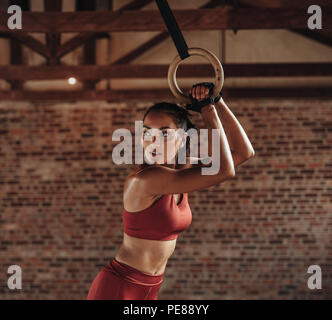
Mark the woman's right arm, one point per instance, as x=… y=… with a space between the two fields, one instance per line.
x=157 y=180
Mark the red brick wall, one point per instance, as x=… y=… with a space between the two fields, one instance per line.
x=253 y=237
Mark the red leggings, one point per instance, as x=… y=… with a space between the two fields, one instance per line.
x=118 y=281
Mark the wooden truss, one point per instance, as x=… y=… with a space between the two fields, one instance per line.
x=91 y=25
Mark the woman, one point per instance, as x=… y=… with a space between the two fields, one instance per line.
x=155 y=198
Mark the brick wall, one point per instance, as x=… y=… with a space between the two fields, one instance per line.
x=253 y=237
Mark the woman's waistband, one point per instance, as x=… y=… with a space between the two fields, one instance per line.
x=133 y=275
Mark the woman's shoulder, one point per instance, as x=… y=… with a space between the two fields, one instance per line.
x=136 y=169
x=131 y=180
x=190 y=162
x=134 y=198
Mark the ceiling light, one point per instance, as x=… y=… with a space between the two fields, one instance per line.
x=72 y=81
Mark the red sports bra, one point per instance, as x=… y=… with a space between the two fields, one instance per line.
x=163 y=220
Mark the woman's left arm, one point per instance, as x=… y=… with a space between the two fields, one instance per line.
x=239 y=143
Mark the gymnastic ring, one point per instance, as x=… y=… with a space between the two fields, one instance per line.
x=218 y=70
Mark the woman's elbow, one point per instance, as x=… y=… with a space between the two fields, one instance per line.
x=229 y=174
x=226 y=176
x=251 y=153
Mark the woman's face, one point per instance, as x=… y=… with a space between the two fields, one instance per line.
x=152 y=138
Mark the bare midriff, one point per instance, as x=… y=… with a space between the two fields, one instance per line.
x=149 y=256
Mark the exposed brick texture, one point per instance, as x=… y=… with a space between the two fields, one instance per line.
x=252 y=237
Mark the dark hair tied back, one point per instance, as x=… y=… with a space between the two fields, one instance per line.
x=180 y=115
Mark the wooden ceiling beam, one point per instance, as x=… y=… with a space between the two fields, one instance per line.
x=157 y=95
x=53 y=39
x=154 y=41
x=300 y=4
x=16 y=58
x=135 y=5
x=85 y=37
x=16 y=49
x=323 y=36
x=29 y=42
x=148 y=45
x=89 y=48
x=151 y=20
x=89 y=72
x=78 y=41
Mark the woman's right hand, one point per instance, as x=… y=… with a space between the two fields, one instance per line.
x=201 y=95
x=199 y=92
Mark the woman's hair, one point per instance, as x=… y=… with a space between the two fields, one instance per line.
x=180 y=116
